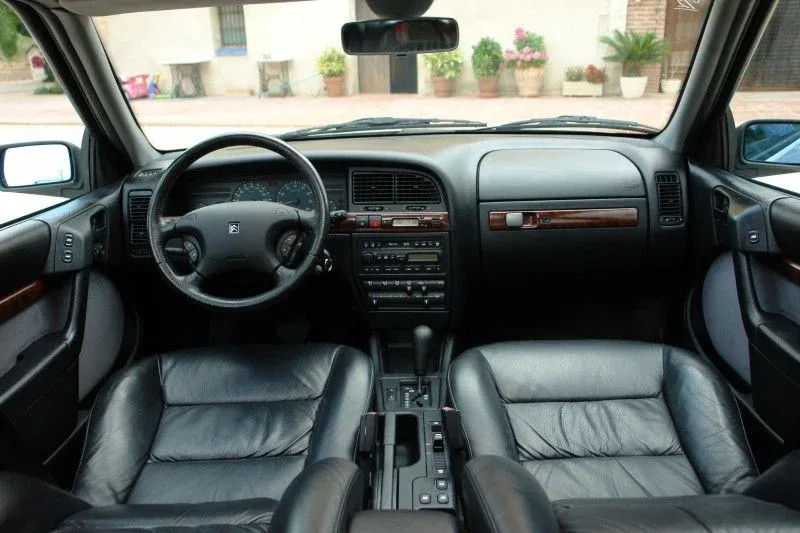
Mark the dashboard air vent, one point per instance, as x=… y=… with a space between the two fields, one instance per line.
x=373 y=188
x=137 y=220
x=416 y=189
x=670 y=200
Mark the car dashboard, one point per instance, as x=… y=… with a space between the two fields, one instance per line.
x=427 y=220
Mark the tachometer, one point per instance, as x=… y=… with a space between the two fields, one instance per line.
x=296 y=194
x=251 y=191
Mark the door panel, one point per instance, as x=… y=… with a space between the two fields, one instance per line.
x=45 y=278
x=759 y=226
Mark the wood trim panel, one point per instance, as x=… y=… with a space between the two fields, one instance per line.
x=21 y=299
x=790 y=270
x=427 y=222
x=614 y=217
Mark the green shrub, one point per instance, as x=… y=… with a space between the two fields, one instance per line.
x=445 y=65
x=49 y=89
x=331 y=63
x=574 y=74
x=487 y=56
x=634 y=50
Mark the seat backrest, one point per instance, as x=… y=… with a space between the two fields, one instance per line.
x=222 y=424
x=599 y=419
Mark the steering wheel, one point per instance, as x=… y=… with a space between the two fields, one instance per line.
x=239 y=236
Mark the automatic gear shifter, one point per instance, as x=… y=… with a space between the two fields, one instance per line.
x=422 y=345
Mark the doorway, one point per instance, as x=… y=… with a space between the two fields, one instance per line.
x=403 y=74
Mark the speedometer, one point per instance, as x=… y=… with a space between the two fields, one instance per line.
x=297 y=194
x=251 y=191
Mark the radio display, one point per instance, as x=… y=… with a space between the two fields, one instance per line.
x=423 y=257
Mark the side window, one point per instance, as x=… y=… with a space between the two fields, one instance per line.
x=40 y=132
x=766 y=106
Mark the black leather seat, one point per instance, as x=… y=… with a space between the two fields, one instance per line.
x=582 y=422
x=226 y=439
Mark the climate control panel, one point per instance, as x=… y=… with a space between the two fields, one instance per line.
x=403 y=272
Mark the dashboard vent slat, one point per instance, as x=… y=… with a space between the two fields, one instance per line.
x=416 y=189
x=373 y=188
x=137 y=218
x=670 y=199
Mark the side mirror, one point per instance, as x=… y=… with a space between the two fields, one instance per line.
x=770 y=141
x=401 y=36
x=33 y=164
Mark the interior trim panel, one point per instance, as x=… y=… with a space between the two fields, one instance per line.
x=21 y=299
x=618 y=217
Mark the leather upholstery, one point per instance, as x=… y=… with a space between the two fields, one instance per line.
x=706 y=514
x=321 y=499
x=404 y=522
x=222 y=424
x=603 y=419
x=226 y=440
x=28 y=505
x=501 y=496
x=780 y=483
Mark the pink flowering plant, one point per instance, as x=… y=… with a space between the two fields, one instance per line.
x=529 y=50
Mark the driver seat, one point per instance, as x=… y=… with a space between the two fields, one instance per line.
x=250 y=438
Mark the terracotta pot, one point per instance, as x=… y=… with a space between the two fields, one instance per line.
x=489 y=87
x=442 y=87
x=334 y=86
x=529 y=81
x=633 y=87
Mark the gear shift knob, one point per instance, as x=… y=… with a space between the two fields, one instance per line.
x=422 y=345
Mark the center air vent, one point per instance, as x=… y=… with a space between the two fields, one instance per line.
x=416 y=189
x=373 y=188
x=670 y=200
x=138 y=204
x=380 y=188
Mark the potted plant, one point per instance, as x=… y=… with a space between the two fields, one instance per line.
x=527 y=60
x=579 y=81
x=670 y=82
x=634 y=51
x=444 y=67
x=596 y=77
x=487 y=58
x=331 y=66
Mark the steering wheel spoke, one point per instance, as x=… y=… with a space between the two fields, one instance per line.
x=308 y=220
x=191 y=282
x=284 y=276
x=167 y=228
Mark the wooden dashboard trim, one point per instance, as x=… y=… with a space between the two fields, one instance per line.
x=21 y=299
x=427 y=222
x=612 y=217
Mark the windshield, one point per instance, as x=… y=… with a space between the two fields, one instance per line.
x=279 y=67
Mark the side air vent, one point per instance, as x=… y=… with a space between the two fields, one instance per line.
x=138 y=204
x=373 y=188
x=670 y=200
x=416 y=189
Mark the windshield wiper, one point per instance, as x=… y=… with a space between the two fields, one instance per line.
x=572 y=121
x=393 y=124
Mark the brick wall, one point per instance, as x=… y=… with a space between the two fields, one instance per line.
x=644 y=16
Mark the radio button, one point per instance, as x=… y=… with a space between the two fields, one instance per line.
x=362 y=221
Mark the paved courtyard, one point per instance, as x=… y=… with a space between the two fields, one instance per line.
x=177 y=123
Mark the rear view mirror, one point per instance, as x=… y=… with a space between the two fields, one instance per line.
x=36 y=164
x=408 y=36
x=771 y=141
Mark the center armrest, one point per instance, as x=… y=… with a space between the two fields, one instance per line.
x=400 y=521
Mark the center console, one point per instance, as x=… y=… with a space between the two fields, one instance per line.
x=403 y=271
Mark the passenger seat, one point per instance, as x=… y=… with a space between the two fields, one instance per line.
x=585 y=433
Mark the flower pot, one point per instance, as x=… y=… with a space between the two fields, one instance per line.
x=633 y=87
x=529 y=81
x=581 y=88
x=671 y=86
x=334 y=86
x=442 y=87
x=489 y=87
